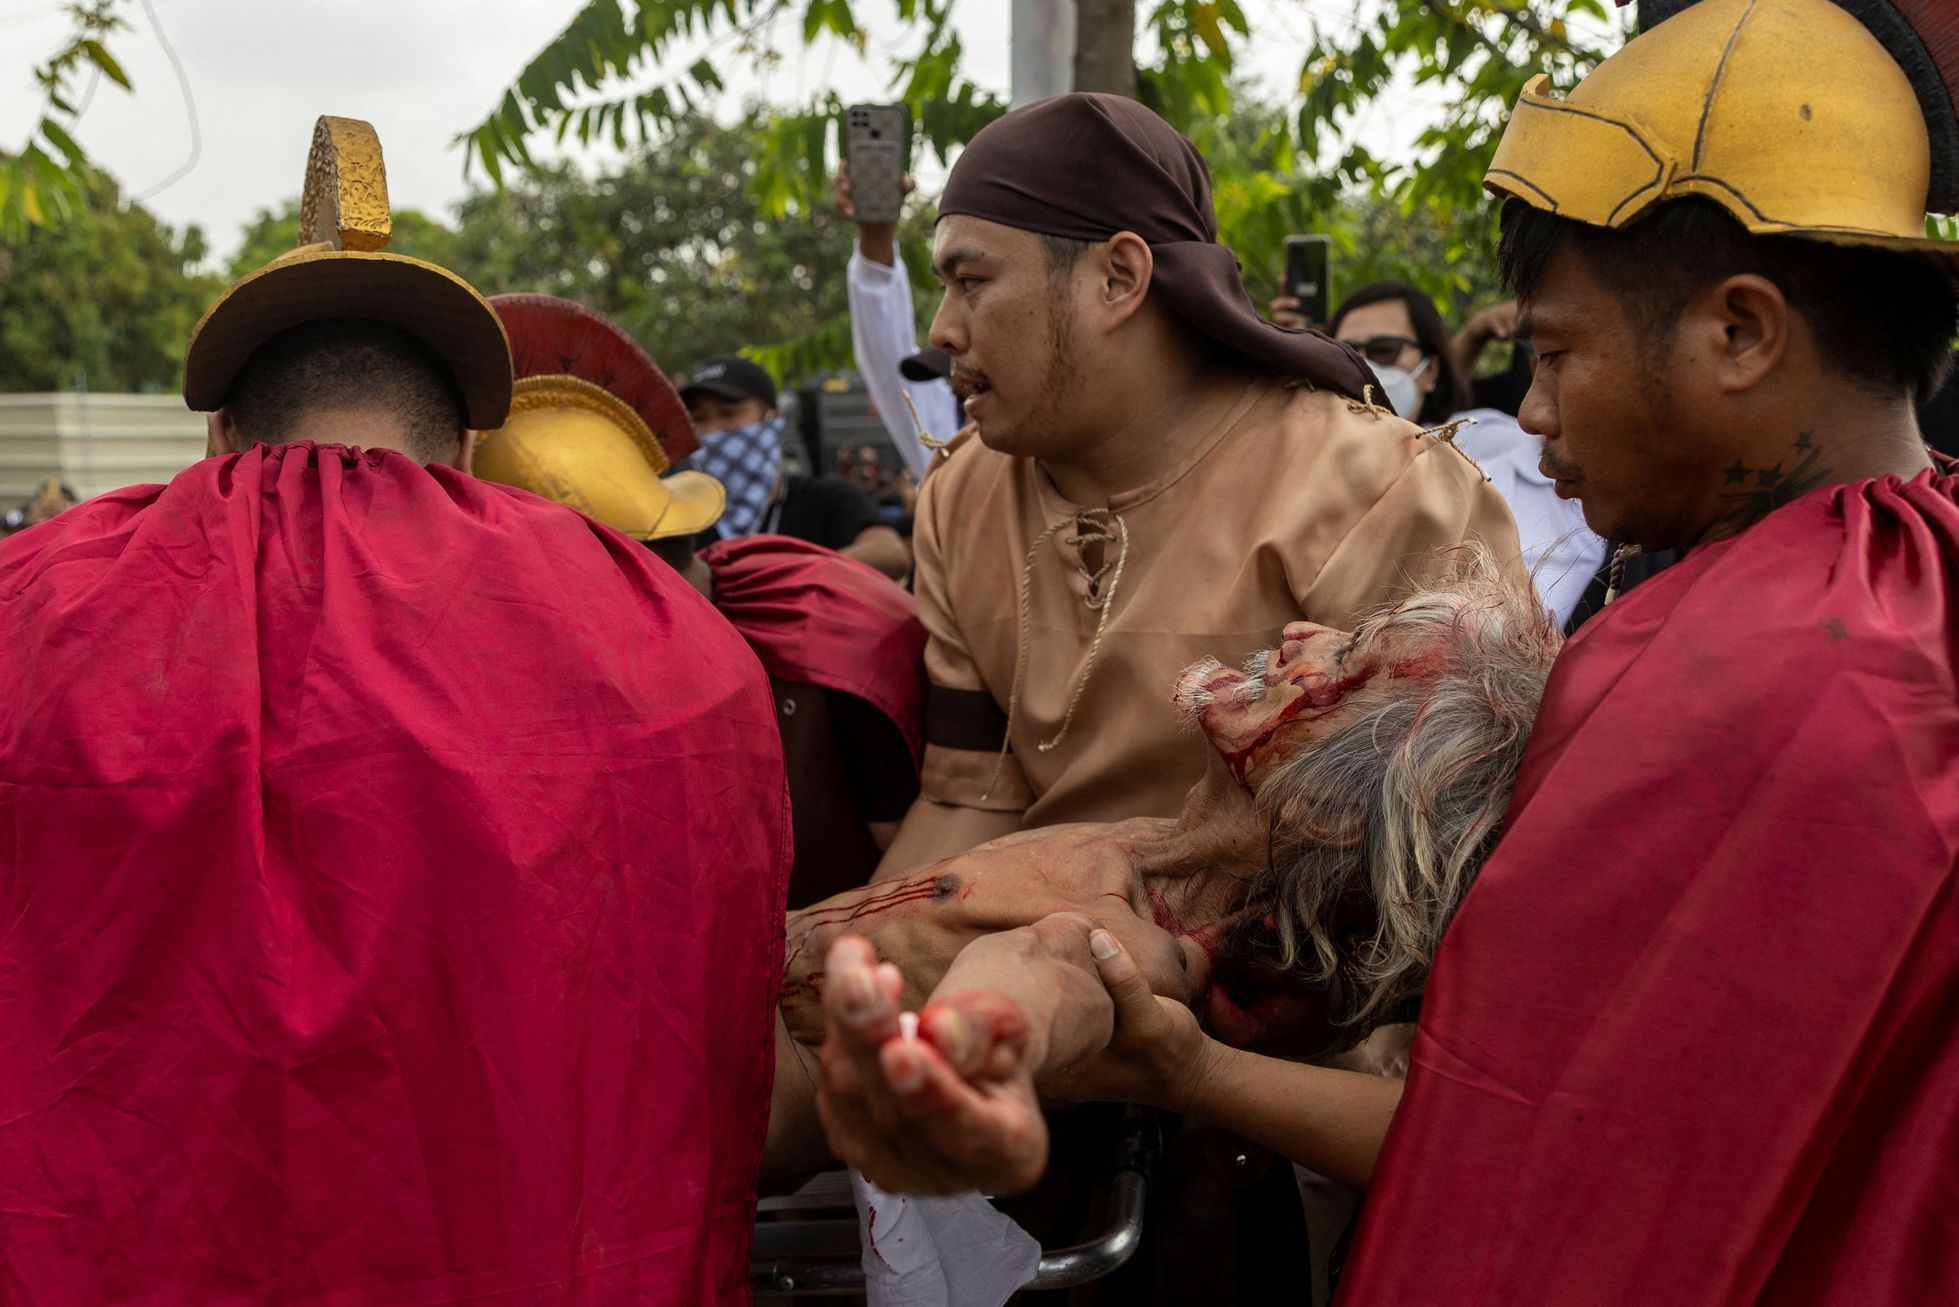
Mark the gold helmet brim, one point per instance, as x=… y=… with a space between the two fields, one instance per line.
x=697 y=504
x=314 y=284
x=584 y=448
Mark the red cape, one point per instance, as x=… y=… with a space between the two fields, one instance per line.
x=1692 y=1037
x=815 y=616
x=390 y=877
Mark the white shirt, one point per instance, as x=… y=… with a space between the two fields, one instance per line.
x=1559 y=549
x=882 y=336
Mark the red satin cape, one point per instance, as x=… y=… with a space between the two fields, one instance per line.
x=815 y=616
x=1694 y=1036
x=391 y=869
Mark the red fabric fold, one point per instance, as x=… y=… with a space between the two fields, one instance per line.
x=390 y=878
x=1692 y=1037
x=815 y=616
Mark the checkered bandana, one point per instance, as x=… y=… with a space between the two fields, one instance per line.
x=747 y=460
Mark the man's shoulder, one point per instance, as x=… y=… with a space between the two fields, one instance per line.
x=1370 y=445
x=827 y=488
x=1852 y=584
x=778 y=570
x=965 y=484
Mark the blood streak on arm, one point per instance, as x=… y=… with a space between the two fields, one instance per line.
x=878 y=901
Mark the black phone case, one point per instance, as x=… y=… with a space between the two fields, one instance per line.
x=1306 y=279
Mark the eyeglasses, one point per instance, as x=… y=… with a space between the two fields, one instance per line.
x=1384 y=350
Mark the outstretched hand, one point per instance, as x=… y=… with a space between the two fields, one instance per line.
x=939 y=1105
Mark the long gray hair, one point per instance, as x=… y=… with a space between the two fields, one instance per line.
x=1379 y=829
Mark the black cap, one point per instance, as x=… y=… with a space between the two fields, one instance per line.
x=926 y=365
x=732 y=378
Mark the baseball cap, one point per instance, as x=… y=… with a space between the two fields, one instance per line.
x=731 y=378
x=926 y=365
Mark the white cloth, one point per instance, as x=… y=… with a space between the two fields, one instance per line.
x=882 y=336
x=940 y=1252
x=1559 y=549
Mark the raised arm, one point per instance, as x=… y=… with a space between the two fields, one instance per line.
x=883 y=334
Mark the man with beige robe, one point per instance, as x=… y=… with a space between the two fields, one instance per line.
x=1157 y=473
x=1153 y=473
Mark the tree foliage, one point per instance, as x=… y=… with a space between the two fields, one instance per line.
x=674 y=245
x=49 y=175
x=1299 y=165
x=106 y=298
x=605 y=78
x=273 y=232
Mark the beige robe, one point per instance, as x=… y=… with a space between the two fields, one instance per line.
x=1298 y=504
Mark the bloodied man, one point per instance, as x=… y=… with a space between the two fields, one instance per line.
x=1349 y=769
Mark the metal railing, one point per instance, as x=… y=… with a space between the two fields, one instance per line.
x=810 y=1255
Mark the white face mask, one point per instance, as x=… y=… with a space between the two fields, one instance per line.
x=1403 y=395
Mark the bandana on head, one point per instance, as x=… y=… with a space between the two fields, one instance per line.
x=1087 y=166
x=747 y=460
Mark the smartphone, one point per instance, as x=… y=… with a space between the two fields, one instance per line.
x=1306 y=275
x=877 y=145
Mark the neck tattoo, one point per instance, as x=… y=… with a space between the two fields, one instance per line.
x=1750 y=494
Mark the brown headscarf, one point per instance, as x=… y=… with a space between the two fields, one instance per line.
x=1087 y=166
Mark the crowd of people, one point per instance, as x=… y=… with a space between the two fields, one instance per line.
x=489 y=820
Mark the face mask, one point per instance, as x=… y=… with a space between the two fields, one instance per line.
x=746 y=461
x=1403 y=396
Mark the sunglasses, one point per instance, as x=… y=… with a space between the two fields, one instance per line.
x=1384 y=350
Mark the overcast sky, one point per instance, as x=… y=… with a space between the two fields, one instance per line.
x=260 y=72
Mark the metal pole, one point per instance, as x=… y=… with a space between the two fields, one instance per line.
x=88 y=488
x=1043 y=49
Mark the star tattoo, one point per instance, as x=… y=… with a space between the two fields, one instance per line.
x=1736 y=474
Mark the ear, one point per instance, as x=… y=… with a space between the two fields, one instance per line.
x=221 y=433
x=465 y=459
x=1125 y=266
x=1425 y=381
x=1748 y=320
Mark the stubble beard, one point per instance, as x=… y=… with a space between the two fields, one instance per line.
x=1044 y=432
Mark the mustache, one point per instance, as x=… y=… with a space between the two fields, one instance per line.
x=1556 y=468
x=966 y=382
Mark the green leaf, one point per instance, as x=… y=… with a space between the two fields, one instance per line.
x=101 y=58
x=62 y=141
x=704 y=73
x=1204 y=17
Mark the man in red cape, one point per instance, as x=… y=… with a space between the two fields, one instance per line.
x=596 y=425
x=392 y=865
x=1691 y=1037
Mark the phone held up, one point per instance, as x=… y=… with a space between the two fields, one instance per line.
x=876 y=143
x=1306 y=275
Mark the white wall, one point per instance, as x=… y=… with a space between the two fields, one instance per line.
x=94 y=442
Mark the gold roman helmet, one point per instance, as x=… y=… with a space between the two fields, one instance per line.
x=1787 y=113
x=594 y=423
x=339 y=271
